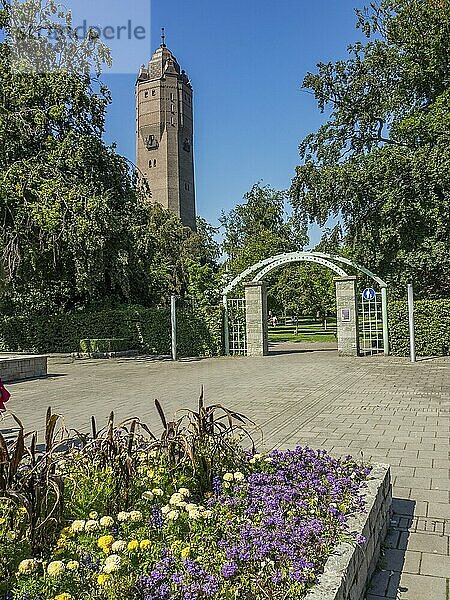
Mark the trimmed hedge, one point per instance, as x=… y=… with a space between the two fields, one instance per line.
x=432 y=327
x=104 y=345
x=148 y=330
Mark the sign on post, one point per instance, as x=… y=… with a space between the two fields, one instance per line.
x=368 y=294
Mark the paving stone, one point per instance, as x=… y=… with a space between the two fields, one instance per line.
x=434 y=473
x=401 y=560
x=366 y=407
x=437 y=565
x=417 y=587
x=440 y=484
x=439 y=509
x=432 y=543
x=422 y=483
x=430 y=495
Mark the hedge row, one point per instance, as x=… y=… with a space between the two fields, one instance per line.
x=146 y=329
x=431 y=325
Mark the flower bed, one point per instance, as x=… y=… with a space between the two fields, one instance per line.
x=190 y=515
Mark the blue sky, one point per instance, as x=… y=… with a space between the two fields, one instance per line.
x=246 y=60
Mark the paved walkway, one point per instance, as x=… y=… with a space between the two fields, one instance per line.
x=380 y=409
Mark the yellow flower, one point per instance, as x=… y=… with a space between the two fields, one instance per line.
x=64 y=596
x=106 y=521
x=133 y=545
x=145 y=544
x=123 y=516
x=91 y=525
x=135 y=516
x=77 y=526
x=103 y=578
x=112 y=564
x=27 y=566
x=55 y=568
x=186 y=552
x=228 y=477
x=105 y=542
x=72 y=565
x=172 y=515
x=66 y=532
x=93 y=515
x=119 y=546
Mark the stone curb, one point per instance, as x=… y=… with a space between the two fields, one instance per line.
x=348 y=570
x=25 y=366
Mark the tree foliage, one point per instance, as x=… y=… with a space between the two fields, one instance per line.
x=381 y=161
x=260 y=228
x=75 y=229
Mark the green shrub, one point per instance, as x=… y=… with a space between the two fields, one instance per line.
x=144 y=329
x=432 y=327
x=104 y=345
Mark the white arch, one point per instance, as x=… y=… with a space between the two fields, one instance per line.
x=265 y=266
x=290 y=257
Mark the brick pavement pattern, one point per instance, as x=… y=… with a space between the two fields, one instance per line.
x=382 y=409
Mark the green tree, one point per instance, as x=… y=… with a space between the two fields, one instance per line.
x=76 y=231
x=305 y=289
x=381 y=162
x=260 y=228
x=65 y=196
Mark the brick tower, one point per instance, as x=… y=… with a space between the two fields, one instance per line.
x=164 y=134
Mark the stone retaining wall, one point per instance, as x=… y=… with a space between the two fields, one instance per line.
x=15 y=368
x=349 y=569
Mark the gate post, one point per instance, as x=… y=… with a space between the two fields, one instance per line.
x=347 y=316
x=256 y=318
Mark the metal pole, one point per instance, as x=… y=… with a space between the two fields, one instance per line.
x=412 y=342
x=173 y=320
x=225 y=326
x=384 y=312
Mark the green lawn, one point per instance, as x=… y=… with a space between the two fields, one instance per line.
x=308 y=331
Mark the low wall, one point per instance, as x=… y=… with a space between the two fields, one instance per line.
x=15 y=368
x=349 y=569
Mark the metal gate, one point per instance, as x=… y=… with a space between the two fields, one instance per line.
x=370 y=322
x=237 y=326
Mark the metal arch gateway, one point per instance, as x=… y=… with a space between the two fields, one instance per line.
x=265 y=266
x=293 y=259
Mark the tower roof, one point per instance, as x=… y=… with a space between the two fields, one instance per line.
x=162 y=63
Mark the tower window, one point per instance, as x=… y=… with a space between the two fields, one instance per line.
x=154 y=163
x=153 y=92
x=172 y=97
x=172 y=121
x=172 y=108
x=150 y=164
x=146 y=94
